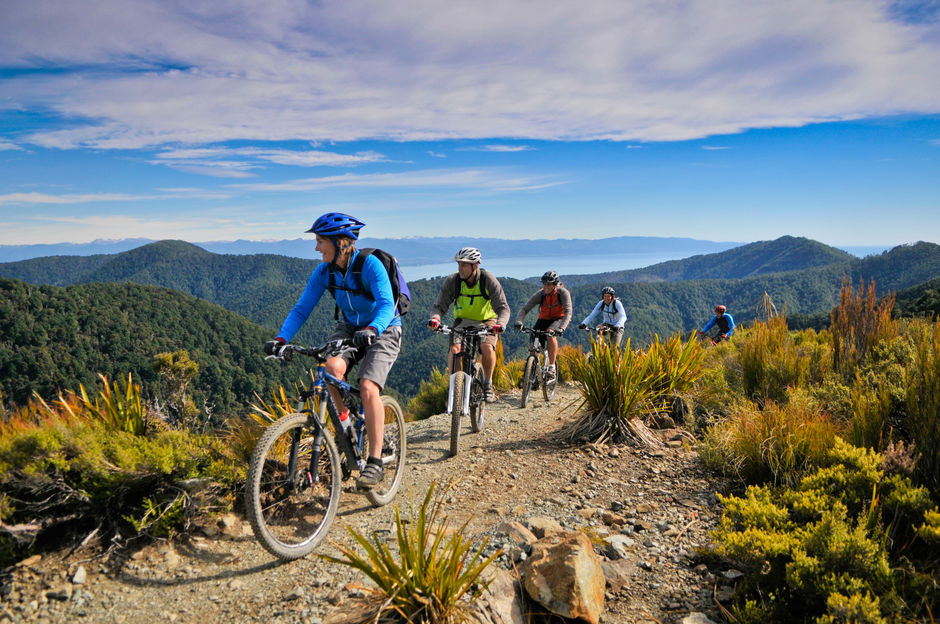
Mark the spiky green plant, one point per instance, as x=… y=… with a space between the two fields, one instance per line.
x=617 y=387
x=436 y=573
x=858 y=323
x=923 y=402
x=119 y=409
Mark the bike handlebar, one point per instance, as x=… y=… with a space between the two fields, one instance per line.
x=538 y=332
x=463 y=331
x=322 y=353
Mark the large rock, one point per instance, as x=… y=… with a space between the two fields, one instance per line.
x=501 y=603
x=564 y=575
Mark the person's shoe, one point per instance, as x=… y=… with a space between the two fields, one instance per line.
x=550 y=373
x=370 y=476
x=490 y=394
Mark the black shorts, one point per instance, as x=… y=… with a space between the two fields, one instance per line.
x=545 y=324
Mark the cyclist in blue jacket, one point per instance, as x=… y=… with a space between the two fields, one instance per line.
x=723 y=320
x=372 y=323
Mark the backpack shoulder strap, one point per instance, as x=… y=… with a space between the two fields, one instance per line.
x=357 y=269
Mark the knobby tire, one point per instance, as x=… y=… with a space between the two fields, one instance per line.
x=549 y=387
x=394 y=451
x=456 y=406
x=527 y=377
x=290 y=515
x=477 y=398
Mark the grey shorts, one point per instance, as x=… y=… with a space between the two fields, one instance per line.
x=490 y=339
x=377 y=360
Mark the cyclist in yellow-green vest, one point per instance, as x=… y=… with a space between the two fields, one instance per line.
x=478 y=299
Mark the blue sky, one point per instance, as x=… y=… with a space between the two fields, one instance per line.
x=713 y=119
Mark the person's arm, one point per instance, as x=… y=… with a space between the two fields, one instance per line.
x=590 y=317
x=531 y=303
x=565 y=298
x=621 y=314
x=305 y=305
x=730 y=323
x=445 y=297
x=375 y=279
x=497 y=299
x=710 y=324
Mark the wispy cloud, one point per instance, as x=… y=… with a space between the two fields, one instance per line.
x=9 y=146
x=239 y=162
x=491 y=180
x=26 y=199
x=715 y=147
x=144 y=73
x=501 y=148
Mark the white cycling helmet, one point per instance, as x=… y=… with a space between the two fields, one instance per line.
x=468 y=254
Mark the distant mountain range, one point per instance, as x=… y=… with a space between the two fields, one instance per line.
x=410 y=251
x=802 y=276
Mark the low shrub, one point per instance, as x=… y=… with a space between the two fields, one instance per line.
x=777 y=444
x=431 y=398
x=839 y=543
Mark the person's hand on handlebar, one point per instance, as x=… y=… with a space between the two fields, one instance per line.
x=434 y=323
x=496 y=328
x=517 y=324
x=550 y=332
x=365 y=336
x=582 y=326
x=273 y=347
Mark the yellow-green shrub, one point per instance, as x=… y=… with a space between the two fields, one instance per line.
x=431 y=398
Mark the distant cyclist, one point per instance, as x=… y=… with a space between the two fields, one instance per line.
x=723 y=320
x=554 y=303
x=372 y=323
x=610 y=316
x=478 y=299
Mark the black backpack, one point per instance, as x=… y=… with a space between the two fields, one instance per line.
x=401 y=294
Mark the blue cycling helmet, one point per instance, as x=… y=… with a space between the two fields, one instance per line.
x=337 y=224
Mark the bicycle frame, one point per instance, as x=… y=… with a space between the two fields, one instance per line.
x=470 y=341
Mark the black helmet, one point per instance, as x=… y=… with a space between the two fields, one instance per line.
x=550 y=277
x=607 y=290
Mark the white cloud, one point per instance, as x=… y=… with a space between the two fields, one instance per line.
x=714 y=147
x=501 y=148
x=143 y=73
x=9 y=146
x=26 y=199
x=489 y=180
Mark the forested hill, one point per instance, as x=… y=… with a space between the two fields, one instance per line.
x=55 y=338
x=786 y=253
x=264 y=287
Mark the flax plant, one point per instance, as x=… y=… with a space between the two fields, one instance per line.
x=617 y=387
x=119 y=409
x=436 y=573
x=770 y=362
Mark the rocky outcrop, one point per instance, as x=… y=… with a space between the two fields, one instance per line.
x=565 y=576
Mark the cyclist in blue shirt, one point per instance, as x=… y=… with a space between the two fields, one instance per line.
x=723 y=320
x=372 y=323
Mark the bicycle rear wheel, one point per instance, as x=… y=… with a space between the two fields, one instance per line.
x=477 y=398
x=528 y=378
x=394 y=449
x=455 y=412
x=290 y=507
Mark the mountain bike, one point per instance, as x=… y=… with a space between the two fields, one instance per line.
x=536 y=373
x=295 y=476
x=466 y=393
x=711 y=339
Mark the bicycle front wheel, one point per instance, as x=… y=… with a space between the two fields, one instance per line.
x=477 y=398
x=528 y=378
x=455 y=412
x=549 y=385
x=293 y=487
x=394 y=445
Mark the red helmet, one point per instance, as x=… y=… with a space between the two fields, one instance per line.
x=720 y=308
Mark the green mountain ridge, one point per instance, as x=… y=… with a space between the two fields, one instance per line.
x=263 y=288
